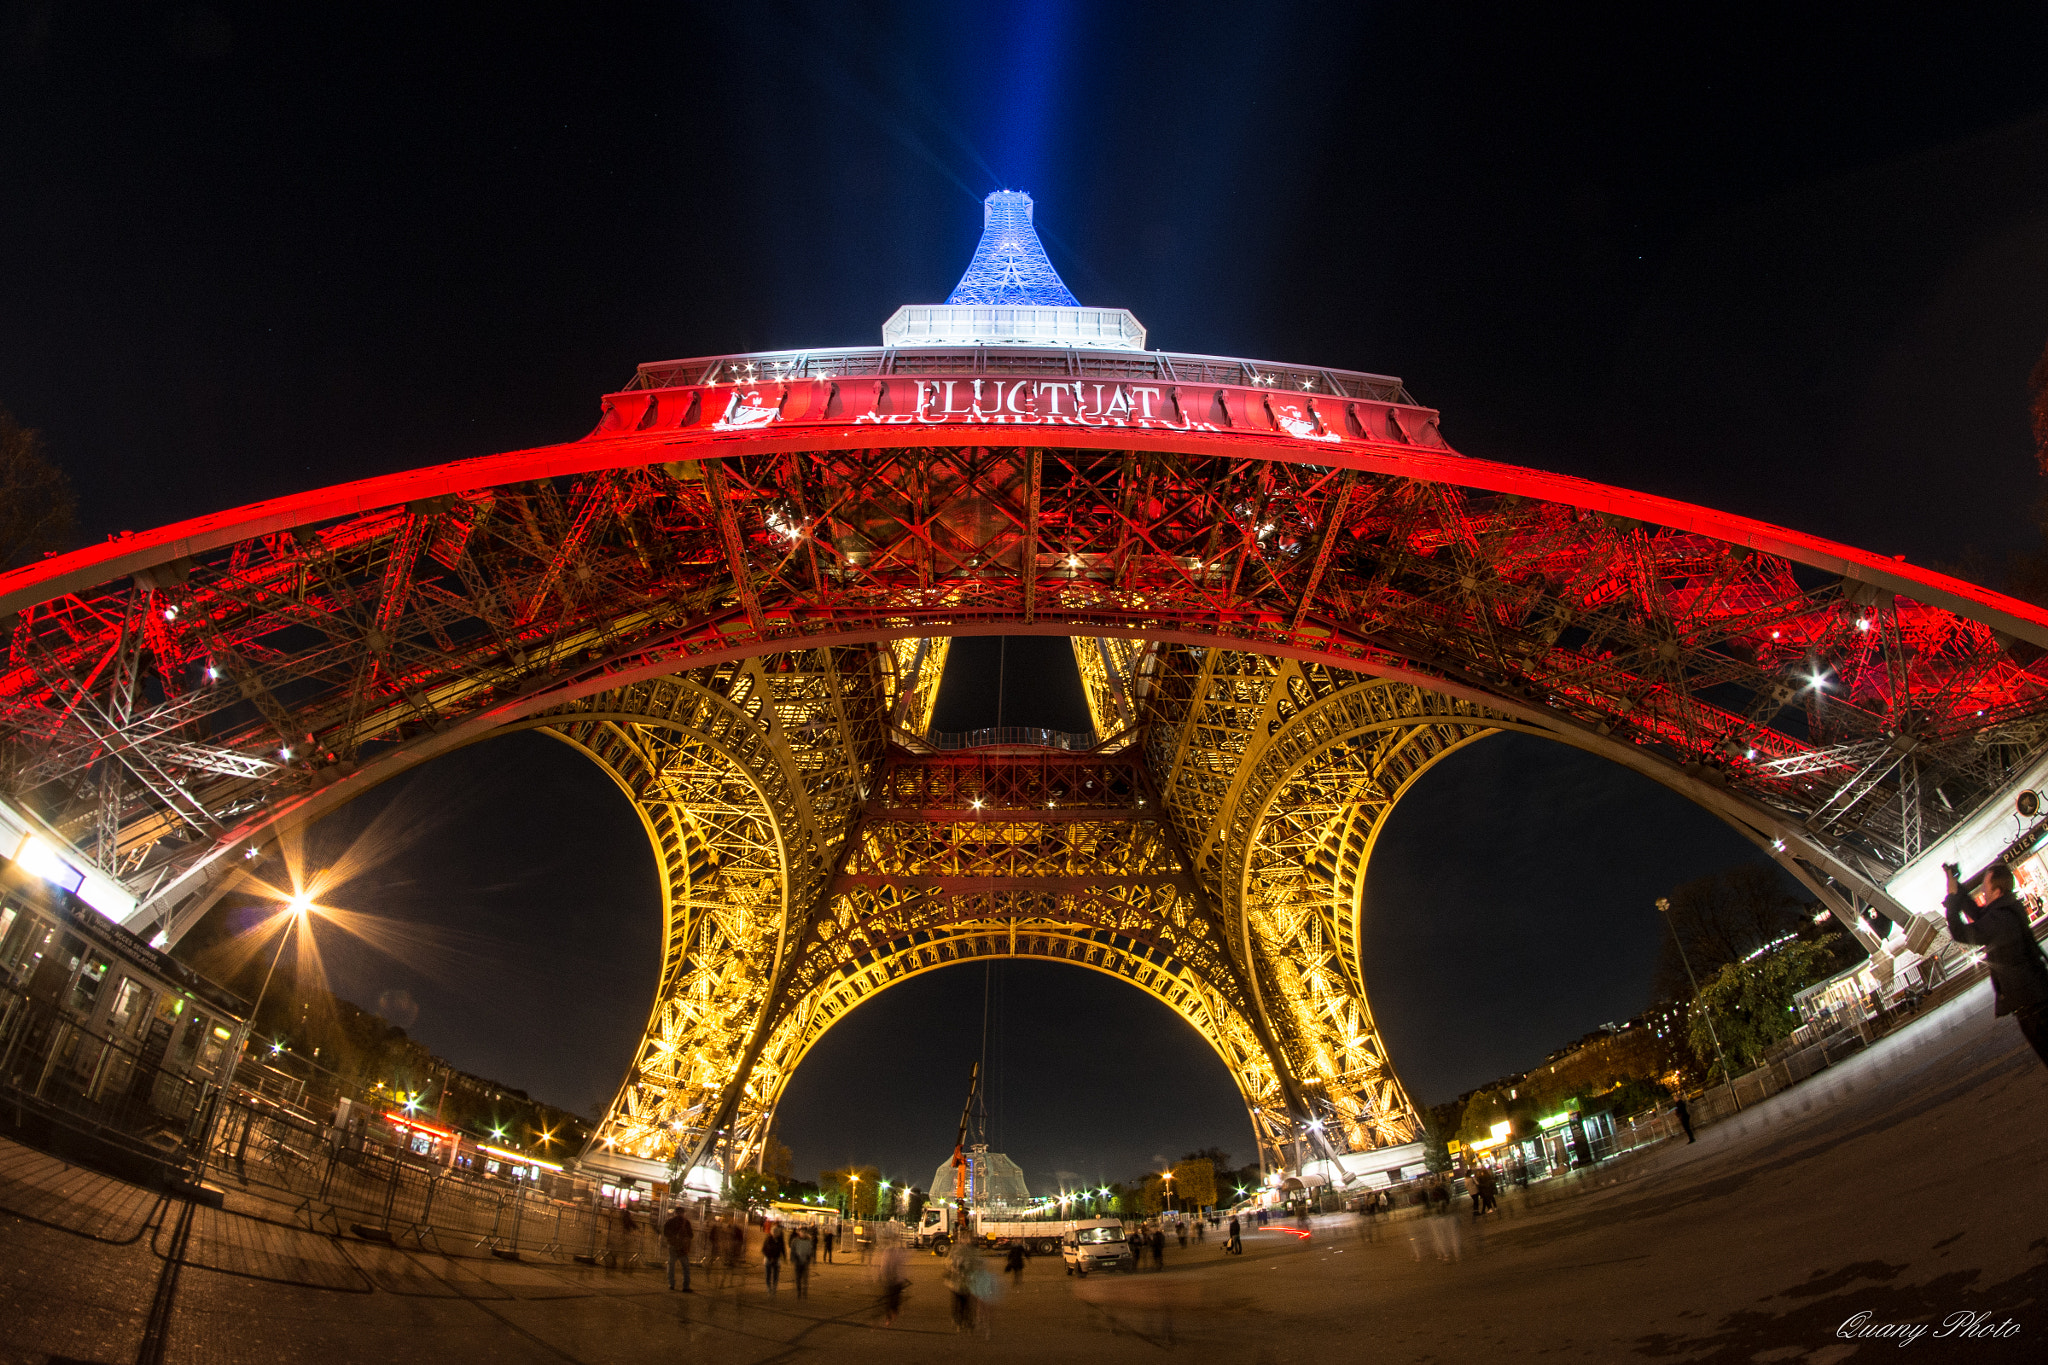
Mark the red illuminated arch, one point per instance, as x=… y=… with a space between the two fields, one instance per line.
x=354 y=631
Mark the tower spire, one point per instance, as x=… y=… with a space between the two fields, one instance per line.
x=1011 y=296
x=1010 y=265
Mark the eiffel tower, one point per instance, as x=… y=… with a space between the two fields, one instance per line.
x=1287 y=596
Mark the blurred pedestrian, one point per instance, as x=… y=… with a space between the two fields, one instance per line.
x=1484 y=1199
x=714 y=1252
x=772 y=1249
x=1014 y=1263
x=1233 y=1241
x=828 y=1246
x=889 y=1274
x=1446 y=1235
x=1997 y=919
x=1684 y=1118
x=1180 y=1230
x=803 y=1248
x=963 y=1272
x=1159 y=1248
x=1201 y=1231
x=678 y=1234
x=735 y=1247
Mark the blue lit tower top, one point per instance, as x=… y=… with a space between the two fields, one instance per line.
x=1011 y=296
x=1010 y=266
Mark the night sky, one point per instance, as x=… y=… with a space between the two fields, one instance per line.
x=1794 y=269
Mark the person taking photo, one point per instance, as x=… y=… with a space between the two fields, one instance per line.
x=1996 y=919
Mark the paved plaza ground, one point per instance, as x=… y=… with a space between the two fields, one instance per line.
x=1905 y=1185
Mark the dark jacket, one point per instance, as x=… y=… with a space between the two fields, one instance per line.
x=2019 y=975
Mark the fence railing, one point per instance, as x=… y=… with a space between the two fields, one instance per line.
x=1076 y=740
x=335 y=1184
x=110 y=1086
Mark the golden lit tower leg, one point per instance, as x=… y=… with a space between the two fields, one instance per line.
x=916 y=667
x=1279 y=777
x=1109 y=666
x=748 y=777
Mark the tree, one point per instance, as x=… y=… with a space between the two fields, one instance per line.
x=1747 y=1006
x=1723 y=918
x=853 y=1188
x=38 y=510
x=1439 y=1126
x=1487 y=1108
x=1633 y=1096
x=913 y=1208
x=1638 y=1052
x=1194 y=1182
x=1241 y=1183
x=776 y=1159
x=750 y=1189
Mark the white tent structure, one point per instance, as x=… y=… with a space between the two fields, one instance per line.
x=993 y=1181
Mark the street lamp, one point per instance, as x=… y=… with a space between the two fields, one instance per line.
x=1664 y=908
x=296 y=909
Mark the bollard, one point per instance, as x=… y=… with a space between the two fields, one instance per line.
x=242 y=1147
x=424 y=1224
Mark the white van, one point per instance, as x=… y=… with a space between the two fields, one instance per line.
x=1096 y=1244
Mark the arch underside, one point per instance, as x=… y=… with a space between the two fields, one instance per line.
x=1077 y=858
x=165 y=718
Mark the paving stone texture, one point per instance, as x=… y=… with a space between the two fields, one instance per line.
x=1908 y=1189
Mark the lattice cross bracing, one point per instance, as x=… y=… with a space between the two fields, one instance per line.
x=1010 y=265
x=1288 y=596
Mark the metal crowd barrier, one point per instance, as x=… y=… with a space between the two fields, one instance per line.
x=108 y=1087
x=384 y=1193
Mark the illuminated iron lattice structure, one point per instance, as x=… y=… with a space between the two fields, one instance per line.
x=1010 y=265
x=1287 y=599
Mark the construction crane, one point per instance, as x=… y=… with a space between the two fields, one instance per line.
x=960 y=1142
